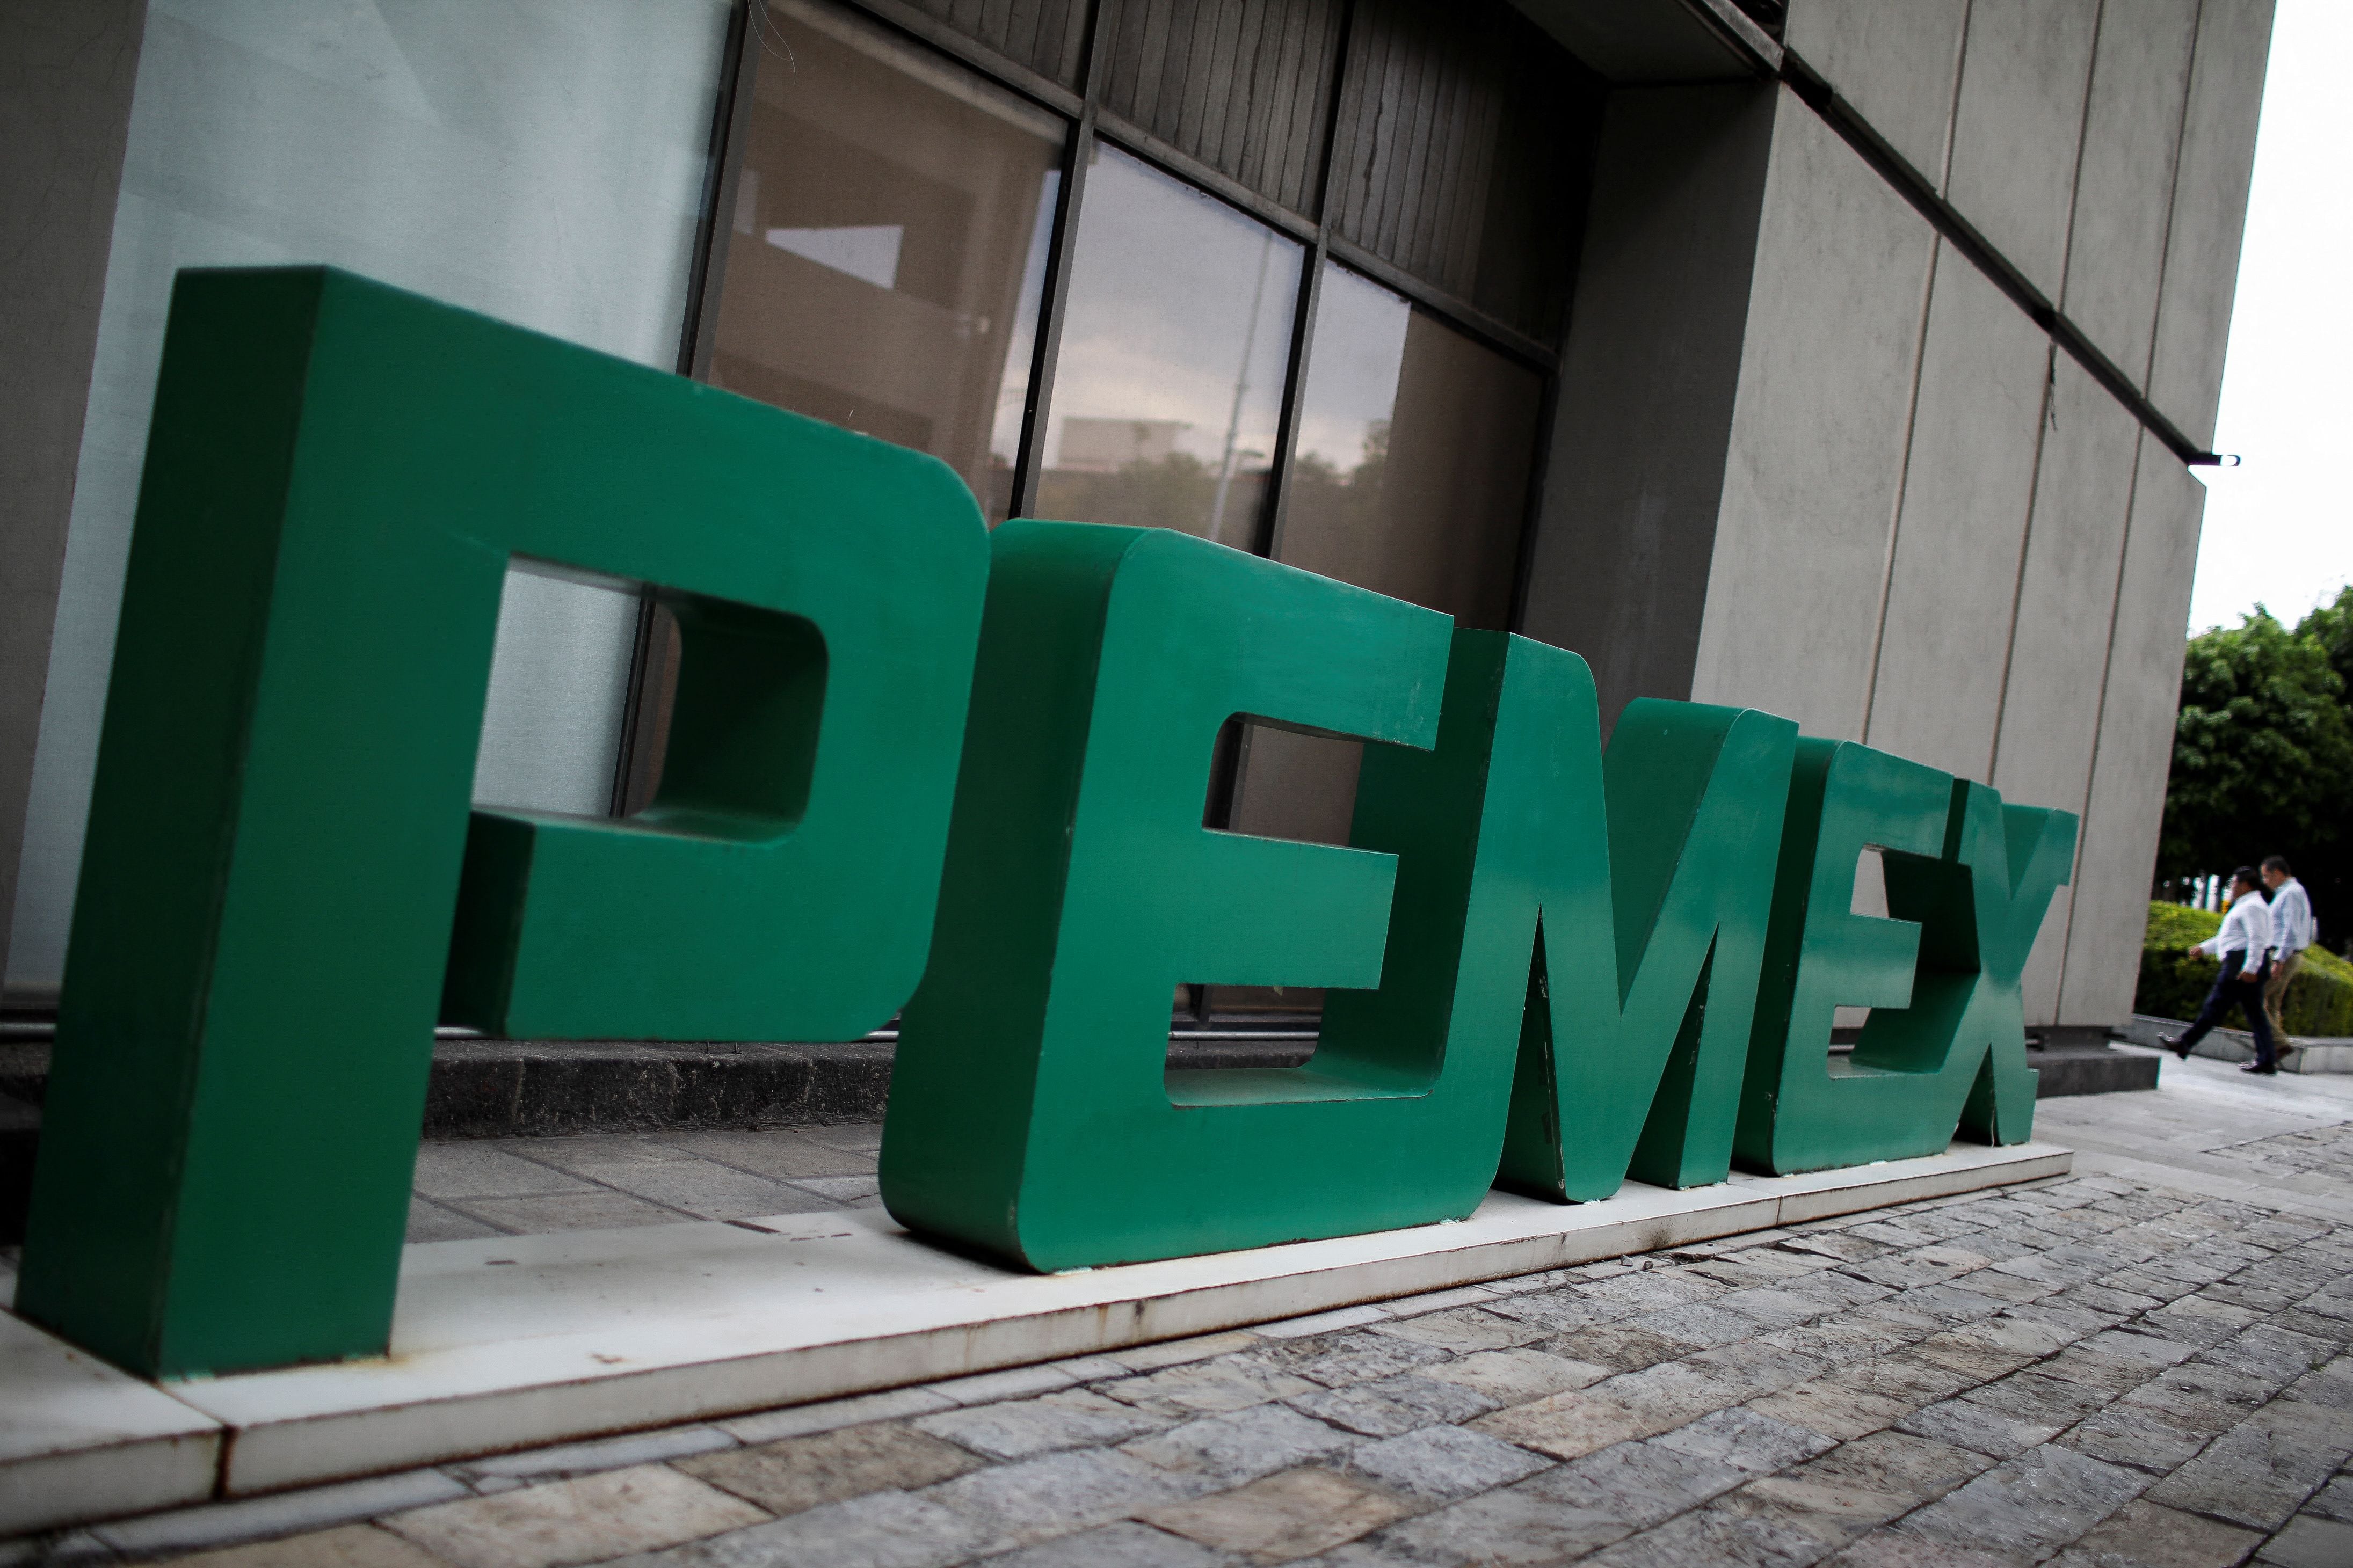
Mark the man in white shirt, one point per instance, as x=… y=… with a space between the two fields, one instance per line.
x=2242 y=946
x=2291 y=910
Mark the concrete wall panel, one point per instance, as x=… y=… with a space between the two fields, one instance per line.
x=1953 y=585
x=2210 y=211
x=2127 y=802
x=66 y=75
x=1648 y=379
x=1895 y=60
x=2059 y=648
x=2124 y=191
x=1817 y=443
x=2018 y=124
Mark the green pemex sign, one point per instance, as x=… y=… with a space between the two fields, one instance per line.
x=911 y=763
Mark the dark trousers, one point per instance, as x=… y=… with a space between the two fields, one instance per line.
x=2247 y=997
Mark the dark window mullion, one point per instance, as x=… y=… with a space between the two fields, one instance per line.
x=1276 y=503
x=634 y=764
x=1047 y=351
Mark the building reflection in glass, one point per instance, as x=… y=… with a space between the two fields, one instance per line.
x=1168 y=392
x=889 y=245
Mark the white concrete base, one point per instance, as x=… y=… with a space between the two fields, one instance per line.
x=517 y=1341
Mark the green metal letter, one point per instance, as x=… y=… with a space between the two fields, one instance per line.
x=1031 y=1113
x=1968 y=880
x=337 y=476
x=1654 y=881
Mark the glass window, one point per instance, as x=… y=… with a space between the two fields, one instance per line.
x=541 y=161
x=1409 y=477
x=1168 y=390
x=888 y=245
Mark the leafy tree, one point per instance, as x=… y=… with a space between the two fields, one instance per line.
x=2263 y=756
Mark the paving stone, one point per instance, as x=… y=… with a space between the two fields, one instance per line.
x=428 y=1221
x=2261 y=1471
x=350 y=1546
x=2199 y=1320
x=2334 y=1500
x=2133 y=1344
x=1511 y=1528
x=1835 y=1411
x=1919 y=1266
x=1748 y=1440
x=2028 y=1507
x=1359 y=1357
x=1463 y=1330
x=2310 y=1543
x=1966 y=1425
x=1123 y=1546
x=482 y=1168
x=599 y=1208
x=1012 y=1383
x=1640 y=1483
x=831 y=1415
x=1329 y=1322
x=2110 y=1375
x=310 y=1509
x=881 y=1530
x=1629 y=1406
x=1222 y=1384
x=586 y=1459
x=1176 y=1353
x=783 y=1154
x=2029 y=1395
x=2141 y=1534
x=1441 y=1463
x=712 y=1191
x=797 y=1473
x=2124 y=1434
x=1714 y=1536
x=1703 y=1323
x=1563 y=1310
x=1392 y=1405
x=1653 y=1289
x=1868 y=1481
x=1952 y=1303
x=1016 y=1429
x=1440 y=1301
x=1844 y=1246
x=579 y=1521
x=2052 y=1313
x=2274 y=1354
x=1516 y=1376
x=1621 y=1347
x=1281 y=1517
x=1894 y=1232
x=1057 y=1494
x=1228 y=1450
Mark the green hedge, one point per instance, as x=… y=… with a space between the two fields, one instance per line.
x=2174 y=981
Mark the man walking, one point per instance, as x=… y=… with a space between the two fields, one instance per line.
x=2291 y=913
x=2242 y=945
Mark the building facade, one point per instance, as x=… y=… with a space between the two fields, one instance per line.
x=1847 y=362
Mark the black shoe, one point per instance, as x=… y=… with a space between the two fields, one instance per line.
x=2259 y=1067
x=2176 y=1044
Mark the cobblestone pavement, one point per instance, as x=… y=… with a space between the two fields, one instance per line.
x=2142 y=1364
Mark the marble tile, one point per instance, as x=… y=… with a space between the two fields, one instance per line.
x=80 y=1440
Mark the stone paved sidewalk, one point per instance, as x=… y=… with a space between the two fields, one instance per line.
x=2137 y=1367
